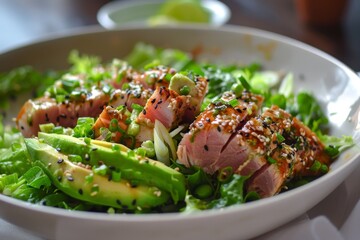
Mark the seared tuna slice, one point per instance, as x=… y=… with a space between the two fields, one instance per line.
x=134 y=94
x=164 y=105
x=286 y=147
x=211 y=142
x=123 y=74
x=269 y=179
x=48 y=110
x=196 y=99
x=153 y=78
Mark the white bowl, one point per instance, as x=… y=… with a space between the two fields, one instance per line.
x=331 y=81
x=137 y=13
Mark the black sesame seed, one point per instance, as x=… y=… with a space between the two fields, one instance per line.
x=118 y=201
x=153 y=100
x=80 y=191
x=47 y=117
x=144 y=111
x=206 y=147
x=219 y=128
x=133 y=202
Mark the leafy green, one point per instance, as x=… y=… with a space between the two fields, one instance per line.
x=147 y=56
x=336 y=145
x=14 y=159
x=35 y=186
x=221 y=79
x=231 y=192
x=82 y=63
x=36 y=178
x=24 y=79
x=307 y=109
x=32 y=186
x=84 y=127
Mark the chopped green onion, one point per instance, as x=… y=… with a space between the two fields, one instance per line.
x=60 y=98
x=114 y=125
x=237 y=89
x=101 y=170
x=116 y=176
x=133 y=129
x=315 y=166
x=115 y=147
x=185 y=90
x=168 y=77
x=324 y=168
x=234 y=102
x=280 y=137
x=225 y=174
x=271 y=160
x=137 y=107
x=245 y=83
x=58 y=130
x=107 y=89
x=47 y=127
x=87 y=140
x=203 y=191
x=74 y=158
x=140 y=151
x=111 y=210
x=148 y=146
x=89 y=178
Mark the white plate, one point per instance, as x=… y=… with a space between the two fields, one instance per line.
x=331 y=81
x=134 y=13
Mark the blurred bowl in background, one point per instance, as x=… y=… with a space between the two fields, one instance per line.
x=139 y=13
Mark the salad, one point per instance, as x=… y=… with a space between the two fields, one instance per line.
x=159 y=131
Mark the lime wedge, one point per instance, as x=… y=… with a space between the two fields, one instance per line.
x=183 y=11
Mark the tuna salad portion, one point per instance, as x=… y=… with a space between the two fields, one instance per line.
x=160 y=131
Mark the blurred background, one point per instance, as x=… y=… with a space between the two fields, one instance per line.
x=23 y=21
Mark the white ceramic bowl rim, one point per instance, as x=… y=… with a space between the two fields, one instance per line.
x=229 y=211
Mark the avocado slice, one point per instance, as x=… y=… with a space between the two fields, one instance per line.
x=73 y=180
x=132 y=167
